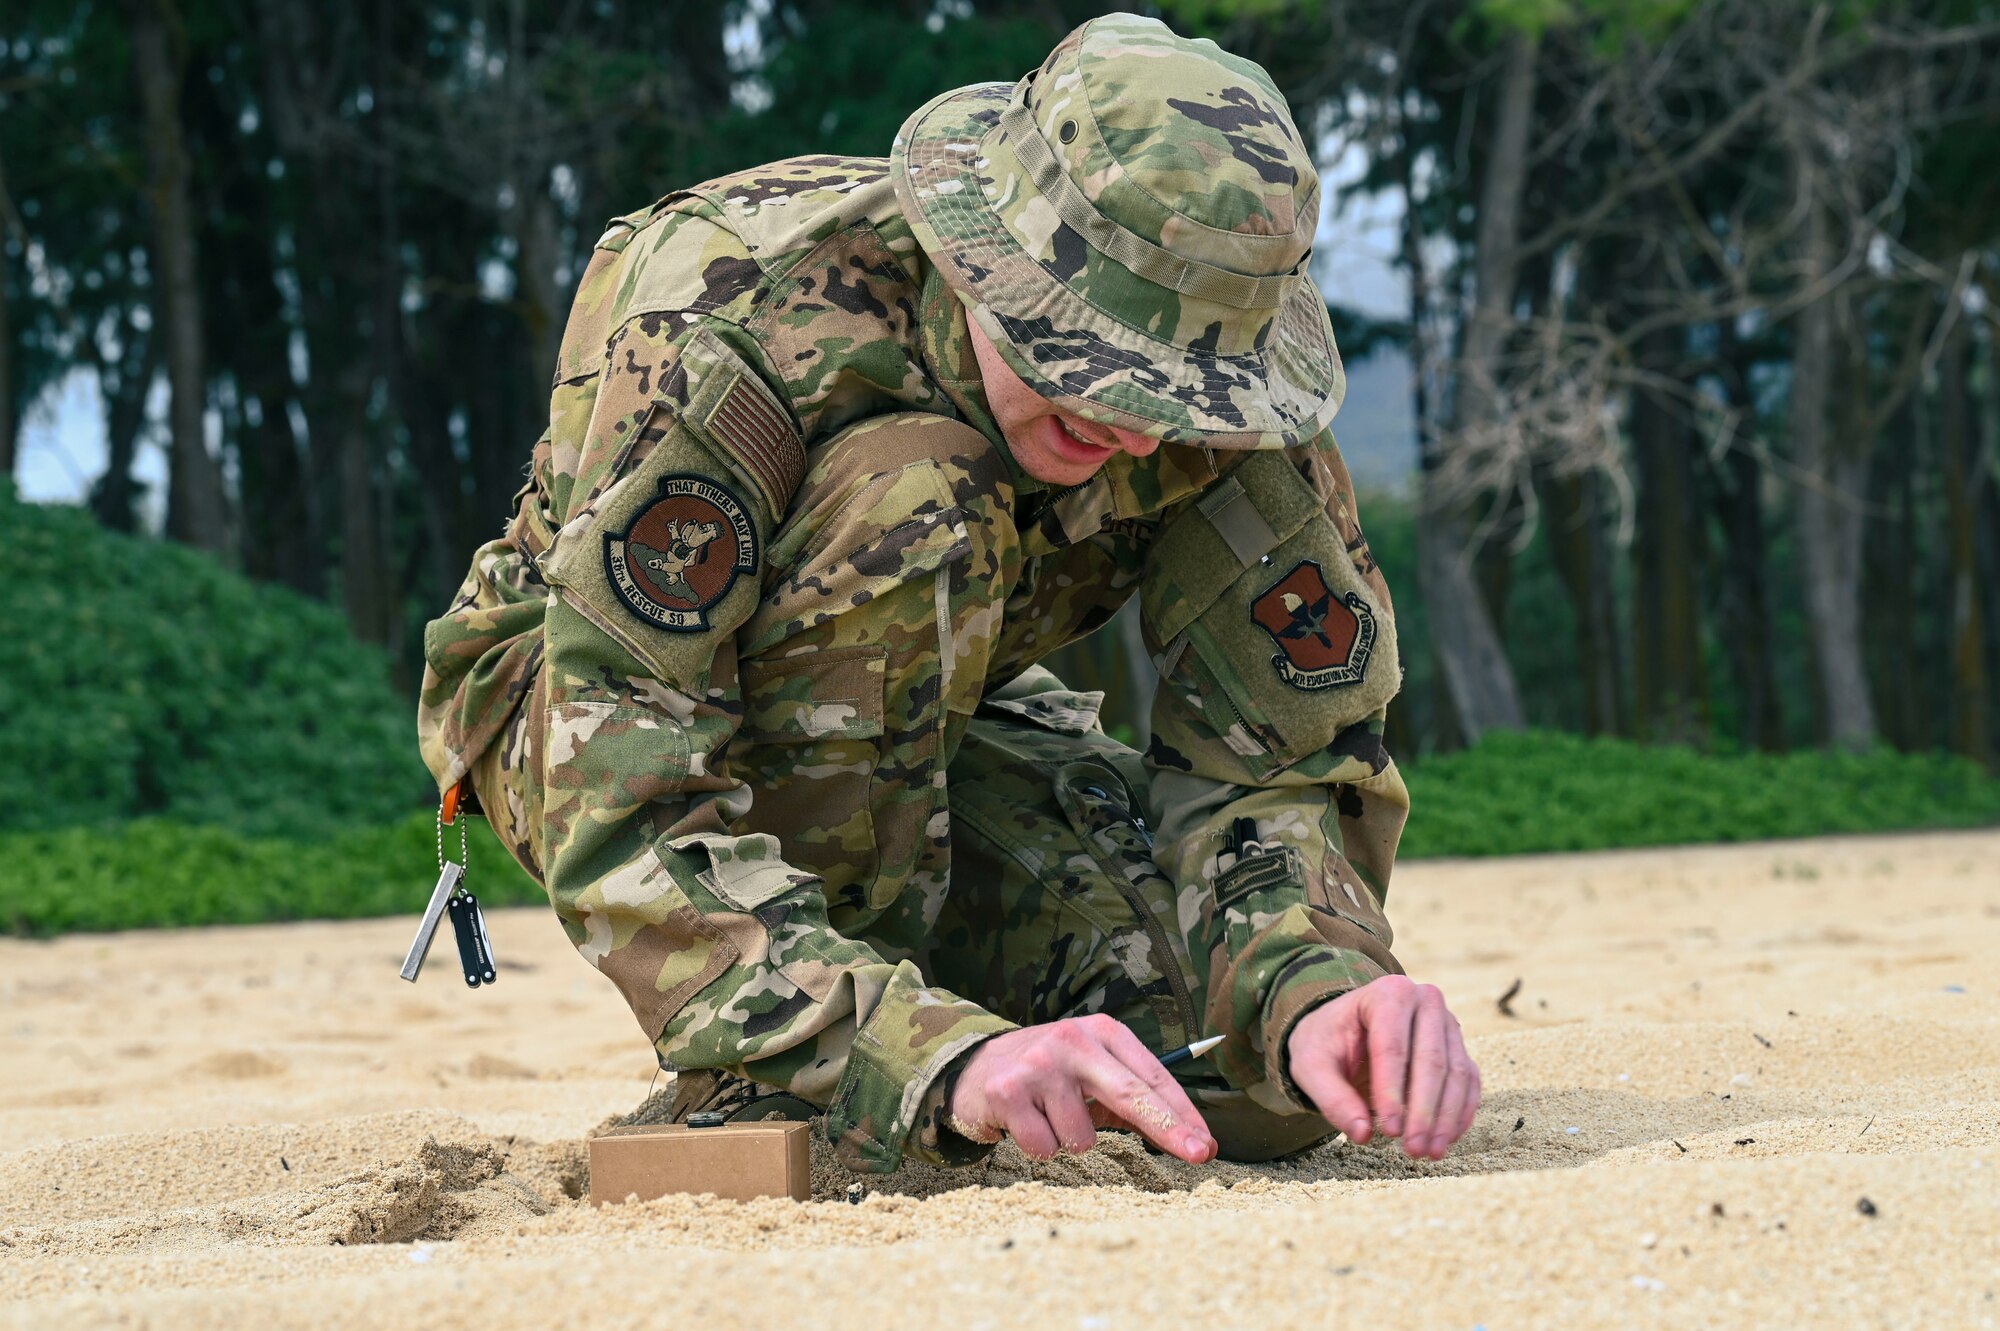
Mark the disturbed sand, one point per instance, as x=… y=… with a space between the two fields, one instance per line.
x=1751 y=1086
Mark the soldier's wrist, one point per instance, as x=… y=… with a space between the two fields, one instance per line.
x=946 y=1094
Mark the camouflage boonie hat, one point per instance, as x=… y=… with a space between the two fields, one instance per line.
x=1130 y=225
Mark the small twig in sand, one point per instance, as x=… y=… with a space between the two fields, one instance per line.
x=1507 y=999
x=1761 y=1040
x=1864 y=1128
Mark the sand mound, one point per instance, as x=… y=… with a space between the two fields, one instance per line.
x=435 y=1189
x=1743 y=1087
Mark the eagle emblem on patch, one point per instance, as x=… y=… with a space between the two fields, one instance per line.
x=1323 y=640
x=681 y=553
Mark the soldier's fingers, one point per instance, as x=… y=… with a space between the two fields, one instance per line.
x=1325 y=1082
x=1130 y=1051
x=1451 y=1111
x=1031 y=1131
x=1465 y=1075
x=1105 y=1117
x=1389 y=1021
x=1430 y=1062
x=1461 y=1088
x=1063 y=1107
x=1180 y=1134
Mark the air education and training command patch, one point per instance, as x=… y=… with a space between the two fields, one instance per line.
x=1323 y=641
x=682 y=553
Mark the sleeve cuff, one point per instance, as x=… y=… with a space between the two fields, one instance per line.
x=908 y=1043
x=931 y=1140
x=1311 y=980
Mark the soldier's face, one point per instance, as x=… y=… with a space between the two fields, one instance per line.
x=1049 y=443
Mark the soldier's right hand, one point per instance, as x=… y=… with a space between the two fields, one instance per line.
x=1036 y=1084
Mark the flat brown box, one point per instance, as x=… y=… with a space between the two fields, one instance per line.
x=737 y=1161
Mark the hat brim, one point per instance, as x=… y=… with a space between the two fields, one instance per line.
x=1085 y=359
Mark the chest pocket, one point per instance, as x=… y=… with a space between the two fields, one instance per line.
x=842 y=684
x=811 y=749
x=1251 y=592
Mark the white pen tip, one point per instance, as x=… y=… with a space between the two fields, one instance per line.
x=1200 y=1047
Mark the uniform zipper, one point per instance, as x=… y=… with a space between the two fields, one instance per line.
x=1169 y=963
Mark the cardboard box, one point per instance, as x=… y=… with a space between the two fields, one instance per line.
x=738 y=1161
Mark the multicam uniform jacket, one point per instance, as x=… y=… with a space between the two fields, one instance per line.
x=654 y=603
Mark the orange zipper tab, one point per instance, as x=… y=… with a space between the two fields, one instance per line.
x=448 y=809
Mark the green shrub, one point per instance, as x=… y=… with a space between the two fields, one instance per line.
x=157 y=874
x=140 y=678
x=1512 y=794
x=1544 y=791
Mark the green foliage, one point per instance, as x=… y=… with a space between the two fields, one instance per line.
x=1612 y=22
x=843 y=77
x=1513 y=794
x=159 y=874
x=140 y=678
x=1541 y=791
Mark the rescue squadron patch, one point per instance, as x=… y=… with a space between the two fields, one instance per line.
x=682 y=553
x=1323 y=640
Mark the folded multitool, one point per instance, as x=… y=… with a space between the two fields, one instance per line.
x=468 y=923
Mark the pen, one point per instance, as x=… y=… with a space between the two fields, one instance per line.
x=1188 y=1051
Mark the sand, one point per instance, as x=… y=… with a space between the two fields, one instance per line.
x=1752 y=1086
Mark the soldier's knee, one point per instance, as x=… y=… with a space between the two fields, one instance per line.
x=1247 y=1133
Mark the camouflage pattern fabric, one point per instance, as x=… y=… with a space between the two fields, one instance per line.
x=1131 y=224
x=738 y=763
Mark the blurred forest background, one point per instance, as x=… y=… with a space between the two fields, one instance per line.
x=1685 y=429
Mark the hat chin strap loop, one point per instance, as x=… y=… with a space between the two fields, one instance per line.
x=1128 y=249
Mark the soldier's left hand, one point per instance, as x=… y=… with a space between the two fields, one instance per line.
x=1389 y=1052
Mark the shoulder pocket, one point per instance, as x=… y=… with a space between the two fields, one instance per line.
x=1252 y=591
x=669 y=557
x=888 y=530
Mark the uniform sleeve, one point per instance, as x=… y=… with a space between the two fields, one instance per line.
x=1276 y=642
x=672 y=490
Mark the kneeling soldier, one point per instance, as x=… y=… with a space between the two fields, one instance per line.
x=800 y=789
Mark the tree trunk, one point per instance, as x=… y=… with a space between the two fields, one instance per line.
x=114 y=496
x=1669 y=677
x=10 y=413
x=1965 y=628
x=1743 y=608
x=367 y=582
x=1574 y=518
x=1986 y=523
x=197 y=506
x=1493 y=565
x=277 y=525
x=9 y=421
x=1746 y=599
x=1829 y=506
x=1479 y=681
x=1889 y=582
